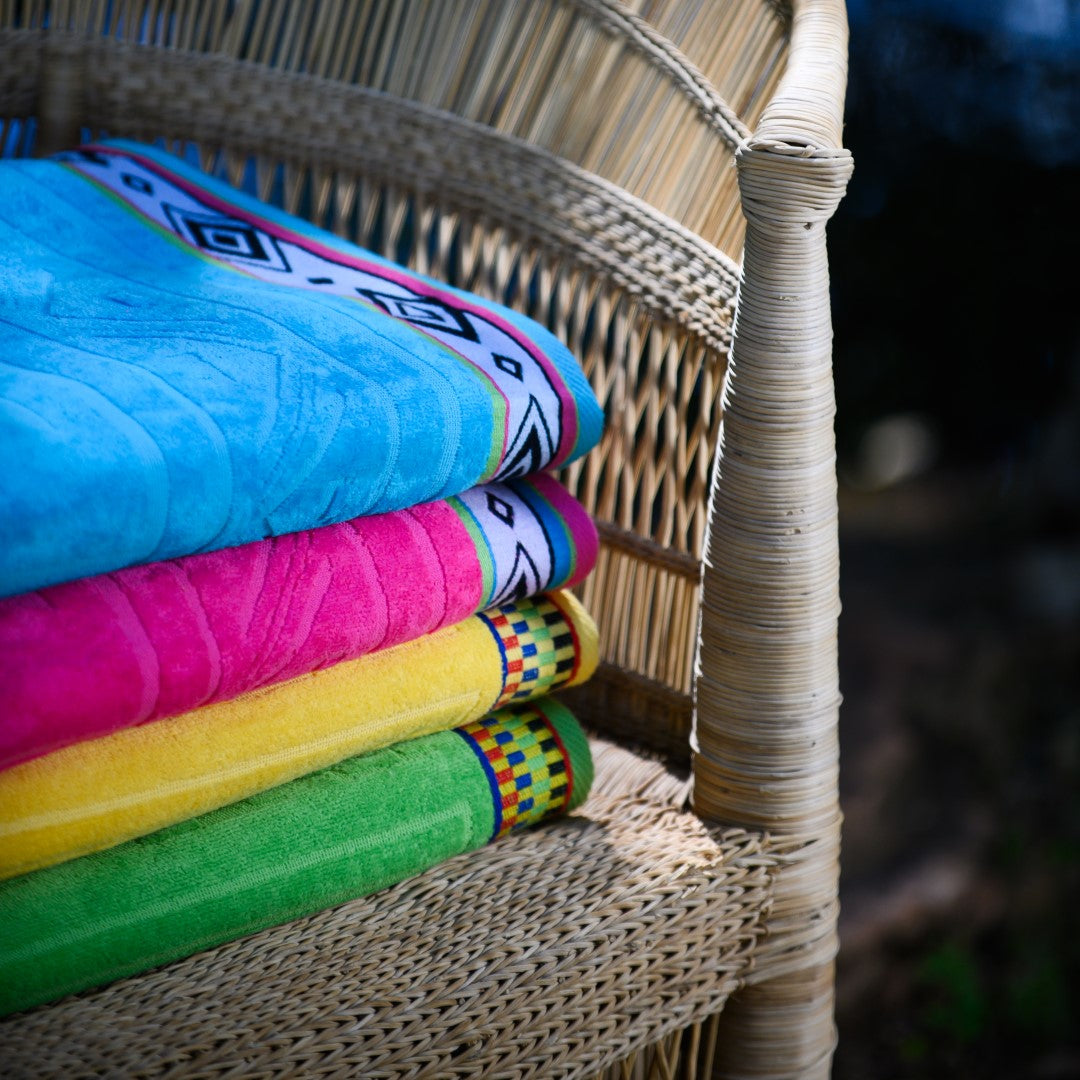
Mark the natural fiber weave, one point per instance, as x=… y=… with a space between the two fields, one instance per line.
x=599 y=165
x=516 y=68
x=556 y=955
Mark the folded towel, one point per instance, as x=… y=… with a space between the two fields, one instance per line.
x=337 y=834
x=206 y=371
x=88 y=657
x=96 y=794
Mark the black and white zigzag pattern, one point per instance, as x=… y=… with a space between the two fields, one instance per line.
x=534 y=408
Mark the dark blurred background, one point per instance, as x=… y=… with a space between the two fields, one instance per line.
x=958 y=379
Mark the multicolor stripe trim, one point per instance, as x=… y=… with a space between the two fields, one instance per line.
x=562 y=544
x=536 y=416
x=539 y=647
x=526 y=763
x=485 y=553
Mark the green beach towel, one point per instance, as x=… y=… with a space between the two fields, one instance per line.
x=334 y=835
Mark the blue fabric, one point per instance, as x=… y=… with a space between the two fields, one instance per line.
x=183 y=369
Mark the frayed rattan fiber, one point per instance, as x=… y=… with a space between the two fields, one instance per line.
x=651 y=180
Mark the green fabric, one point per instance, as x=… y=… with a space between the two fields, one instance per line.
x=576 y=743
x=337 y=834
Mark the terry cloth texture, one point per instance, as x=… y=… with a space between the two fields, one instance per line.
x=96 y=794
x=329 y=837
x=88 y=657
x=208 y=371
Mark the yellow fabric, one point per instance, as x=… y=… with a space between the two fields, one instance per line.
x=99 y=793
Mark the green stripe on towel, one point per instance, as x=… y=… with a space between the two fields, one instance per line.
x=337 y=834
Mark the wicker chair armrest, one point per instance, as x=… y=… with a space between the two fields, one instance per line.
x=767 y=696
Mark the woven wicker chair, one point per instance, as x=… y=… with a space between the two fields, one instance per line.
x=652 y=180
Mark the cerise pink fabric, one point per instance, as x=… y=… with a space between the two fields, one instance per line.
x=87 y=657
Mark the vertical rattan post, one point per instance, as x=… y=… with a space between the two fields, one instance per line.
x=767 y=692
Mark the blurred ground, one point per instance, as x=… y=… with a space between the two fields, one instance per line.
x=960 y=738
x=958 y=383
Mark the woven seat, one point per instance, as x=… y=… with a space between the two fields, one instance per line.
x=652 y=181
x=515 y=963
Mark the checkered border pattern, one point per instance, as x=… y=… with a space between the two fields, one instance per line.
x=527 y=766
x=538 y=645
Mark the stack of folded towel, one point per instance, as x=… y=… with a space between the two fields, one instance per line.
x=282 y=572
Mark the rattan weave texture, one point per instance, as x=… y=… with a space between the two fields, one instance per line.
x=488 y=981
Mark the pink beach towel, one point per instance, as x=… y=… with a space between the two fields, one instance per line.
x=91 y=656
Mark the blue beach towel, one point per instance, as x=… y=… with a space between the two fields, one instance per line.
x=184 y=368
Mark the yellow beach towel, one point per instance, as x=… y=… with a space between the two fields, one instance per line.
x=96 y=794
